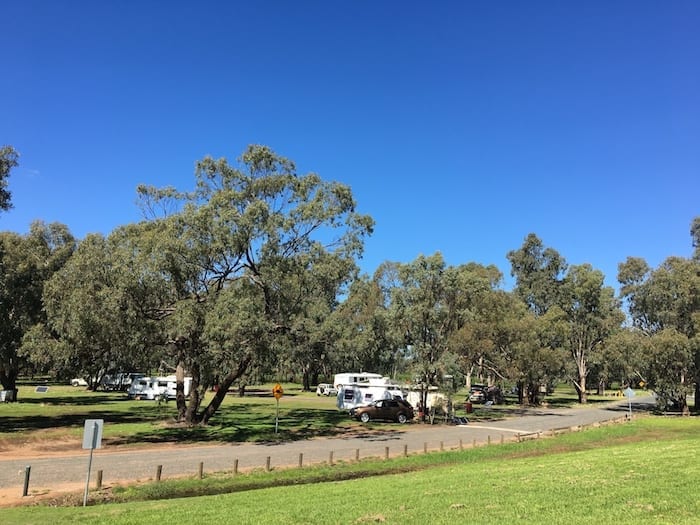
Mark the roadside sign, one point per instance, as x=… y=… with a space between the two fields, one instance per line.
x=92 y=435
x=277 y=391
x=92 y=439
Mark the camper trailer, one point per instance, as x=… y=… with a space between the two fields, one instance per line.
x=162 y=387
x=351 y=395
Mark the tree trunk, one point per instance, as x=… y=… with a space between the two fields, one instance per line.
x=180 y=391
x=9 y=382
x=224 y=387
x=581 y=389
x=520 y=388
x=306 y=380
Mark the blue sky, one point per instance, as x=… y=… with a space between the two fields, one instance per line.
x=460 y=126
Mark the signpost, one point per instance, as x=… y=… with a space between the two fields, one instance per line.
x=92 y=439
x=277 y=391
x=629 y=393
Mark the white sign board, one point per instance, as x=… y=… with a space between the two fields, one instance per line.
x=92 y=435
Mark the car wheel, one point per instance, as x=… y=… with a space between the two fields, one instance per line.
x=75 y=383
x=402 y=418
x=364 y=417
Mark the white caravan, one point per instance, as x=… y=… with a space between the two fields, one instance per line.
x=162 y=387
x=351 y=395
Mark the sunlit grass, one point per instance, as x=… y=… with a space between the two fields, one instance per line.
x=644 y=471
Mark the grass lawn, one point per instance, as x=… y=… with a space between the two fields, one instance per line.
x=644 y=471
x=59 y=415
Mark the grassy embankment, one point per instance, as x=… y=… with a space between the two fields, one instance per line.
x=643 y=471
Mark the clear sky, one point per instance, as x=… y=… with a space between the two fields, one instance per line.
x=461 y=126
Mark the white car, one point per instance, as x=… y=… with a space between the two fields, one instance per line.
x=78 y=381
x=325 y=389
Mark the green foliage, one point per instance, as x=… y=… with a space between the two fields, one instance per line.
x=26 y=263
x=664 y=304
x=8 y=160
x=538 y=272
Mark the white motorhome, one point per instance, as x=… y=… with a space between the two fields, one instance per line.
x=351 y=395
x=349 y=378
x=161 y=387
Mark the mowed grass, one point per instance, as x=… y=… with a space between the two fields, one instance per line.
x=58 y=416
x=60 y=413
x=643 y=471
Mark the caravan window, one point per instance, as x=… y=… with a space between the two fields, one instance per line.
x=368 y=396
x=348 y=395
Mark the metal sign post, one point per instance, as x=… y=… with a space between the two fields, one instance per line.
x=277 y=391
x=92 y=439
x=629 y=393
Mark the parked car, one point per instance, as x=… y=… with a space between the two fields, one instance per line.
x=325 y=389
x=477 y=394
x=386 y=409
x=78 y=381
x=483 y=393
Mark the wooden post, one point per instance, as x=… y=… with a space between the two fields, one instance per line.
x=99 y=480
x=405 y=451
x=357 y=454
x=503 y=439
x=488 y=440
x=442 y=446
x=159 y=472
x=267 y=464
x=201 y=469
x=474 y=443
x=27 y=472
x=330 y=458
x=425 y=447
x=301 y=459
x=461 y=444
x=235 y=466
x=386 y=452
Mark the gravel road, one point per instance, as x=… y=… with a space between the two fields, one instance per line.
x=141 y=465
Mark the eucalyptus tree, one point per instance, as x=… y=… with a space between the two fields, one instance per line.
x=591 y=314
x=695 y=235
x=505 y=341
x=95 y=322
x=8 y=160
x=364 y=339
x=26 y=263
x=430 y=304
x=240 y=257
x=539 y=274
x=664 y=304
x=582 y=311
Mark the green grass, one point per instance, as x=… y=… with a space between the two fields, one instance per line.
x=644 y=471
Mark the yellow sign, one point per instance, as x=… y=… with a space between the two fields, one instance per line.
x=277 y=391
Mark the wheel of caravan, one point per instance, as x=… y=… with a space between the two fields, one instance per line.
x=402 y=418
x=364 y=417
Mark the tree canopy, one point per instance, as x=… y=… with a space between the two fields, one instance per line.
x=8 y=160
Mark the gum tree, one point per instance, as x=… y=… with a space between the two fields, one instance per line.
x=240 y=258
x=26 y=263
